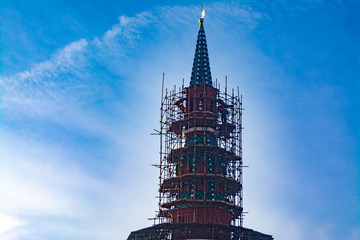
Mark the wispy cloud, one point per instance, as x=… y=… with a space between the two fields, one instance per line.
x=66 y=81
x=38 y=90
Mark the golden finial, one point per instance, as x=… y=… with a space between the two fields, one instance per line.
x=202 y=13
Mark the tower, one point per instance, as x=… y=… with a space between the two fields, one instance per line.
x=200 y=193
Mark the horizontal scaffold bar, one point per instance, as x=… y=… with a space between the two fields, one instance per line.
x=232 y=185
x=175 y=155
x=237 y=210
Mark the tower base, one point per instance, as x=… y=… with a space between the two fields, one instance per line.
x=195 y=231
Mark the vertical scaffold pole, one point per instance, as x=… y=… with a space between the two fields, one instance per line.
x=161 y=132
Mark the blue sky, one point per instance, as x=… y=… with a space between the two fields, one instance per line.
x=80 y=95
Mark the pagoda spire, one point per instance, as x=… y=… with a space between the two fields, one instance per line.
x=201 y=74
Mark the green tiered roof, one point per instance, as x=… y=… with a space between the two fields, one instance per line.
x=201 y=74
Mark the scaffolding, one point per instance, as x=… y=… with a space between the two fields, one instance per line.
x=218 y=154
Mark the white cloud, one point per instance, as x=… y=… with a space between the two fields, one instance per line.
x=8 y=223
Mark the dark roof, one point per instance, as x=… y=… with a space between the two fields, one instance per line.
x=201 y=74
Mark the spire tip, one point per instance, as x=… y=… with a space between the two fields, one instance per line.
x=202 y=14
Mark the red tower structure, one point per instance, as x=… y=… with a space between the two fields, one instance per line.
x=200 y=194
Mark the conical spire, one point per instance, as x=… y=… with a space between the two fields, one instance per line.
x=201 y=74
